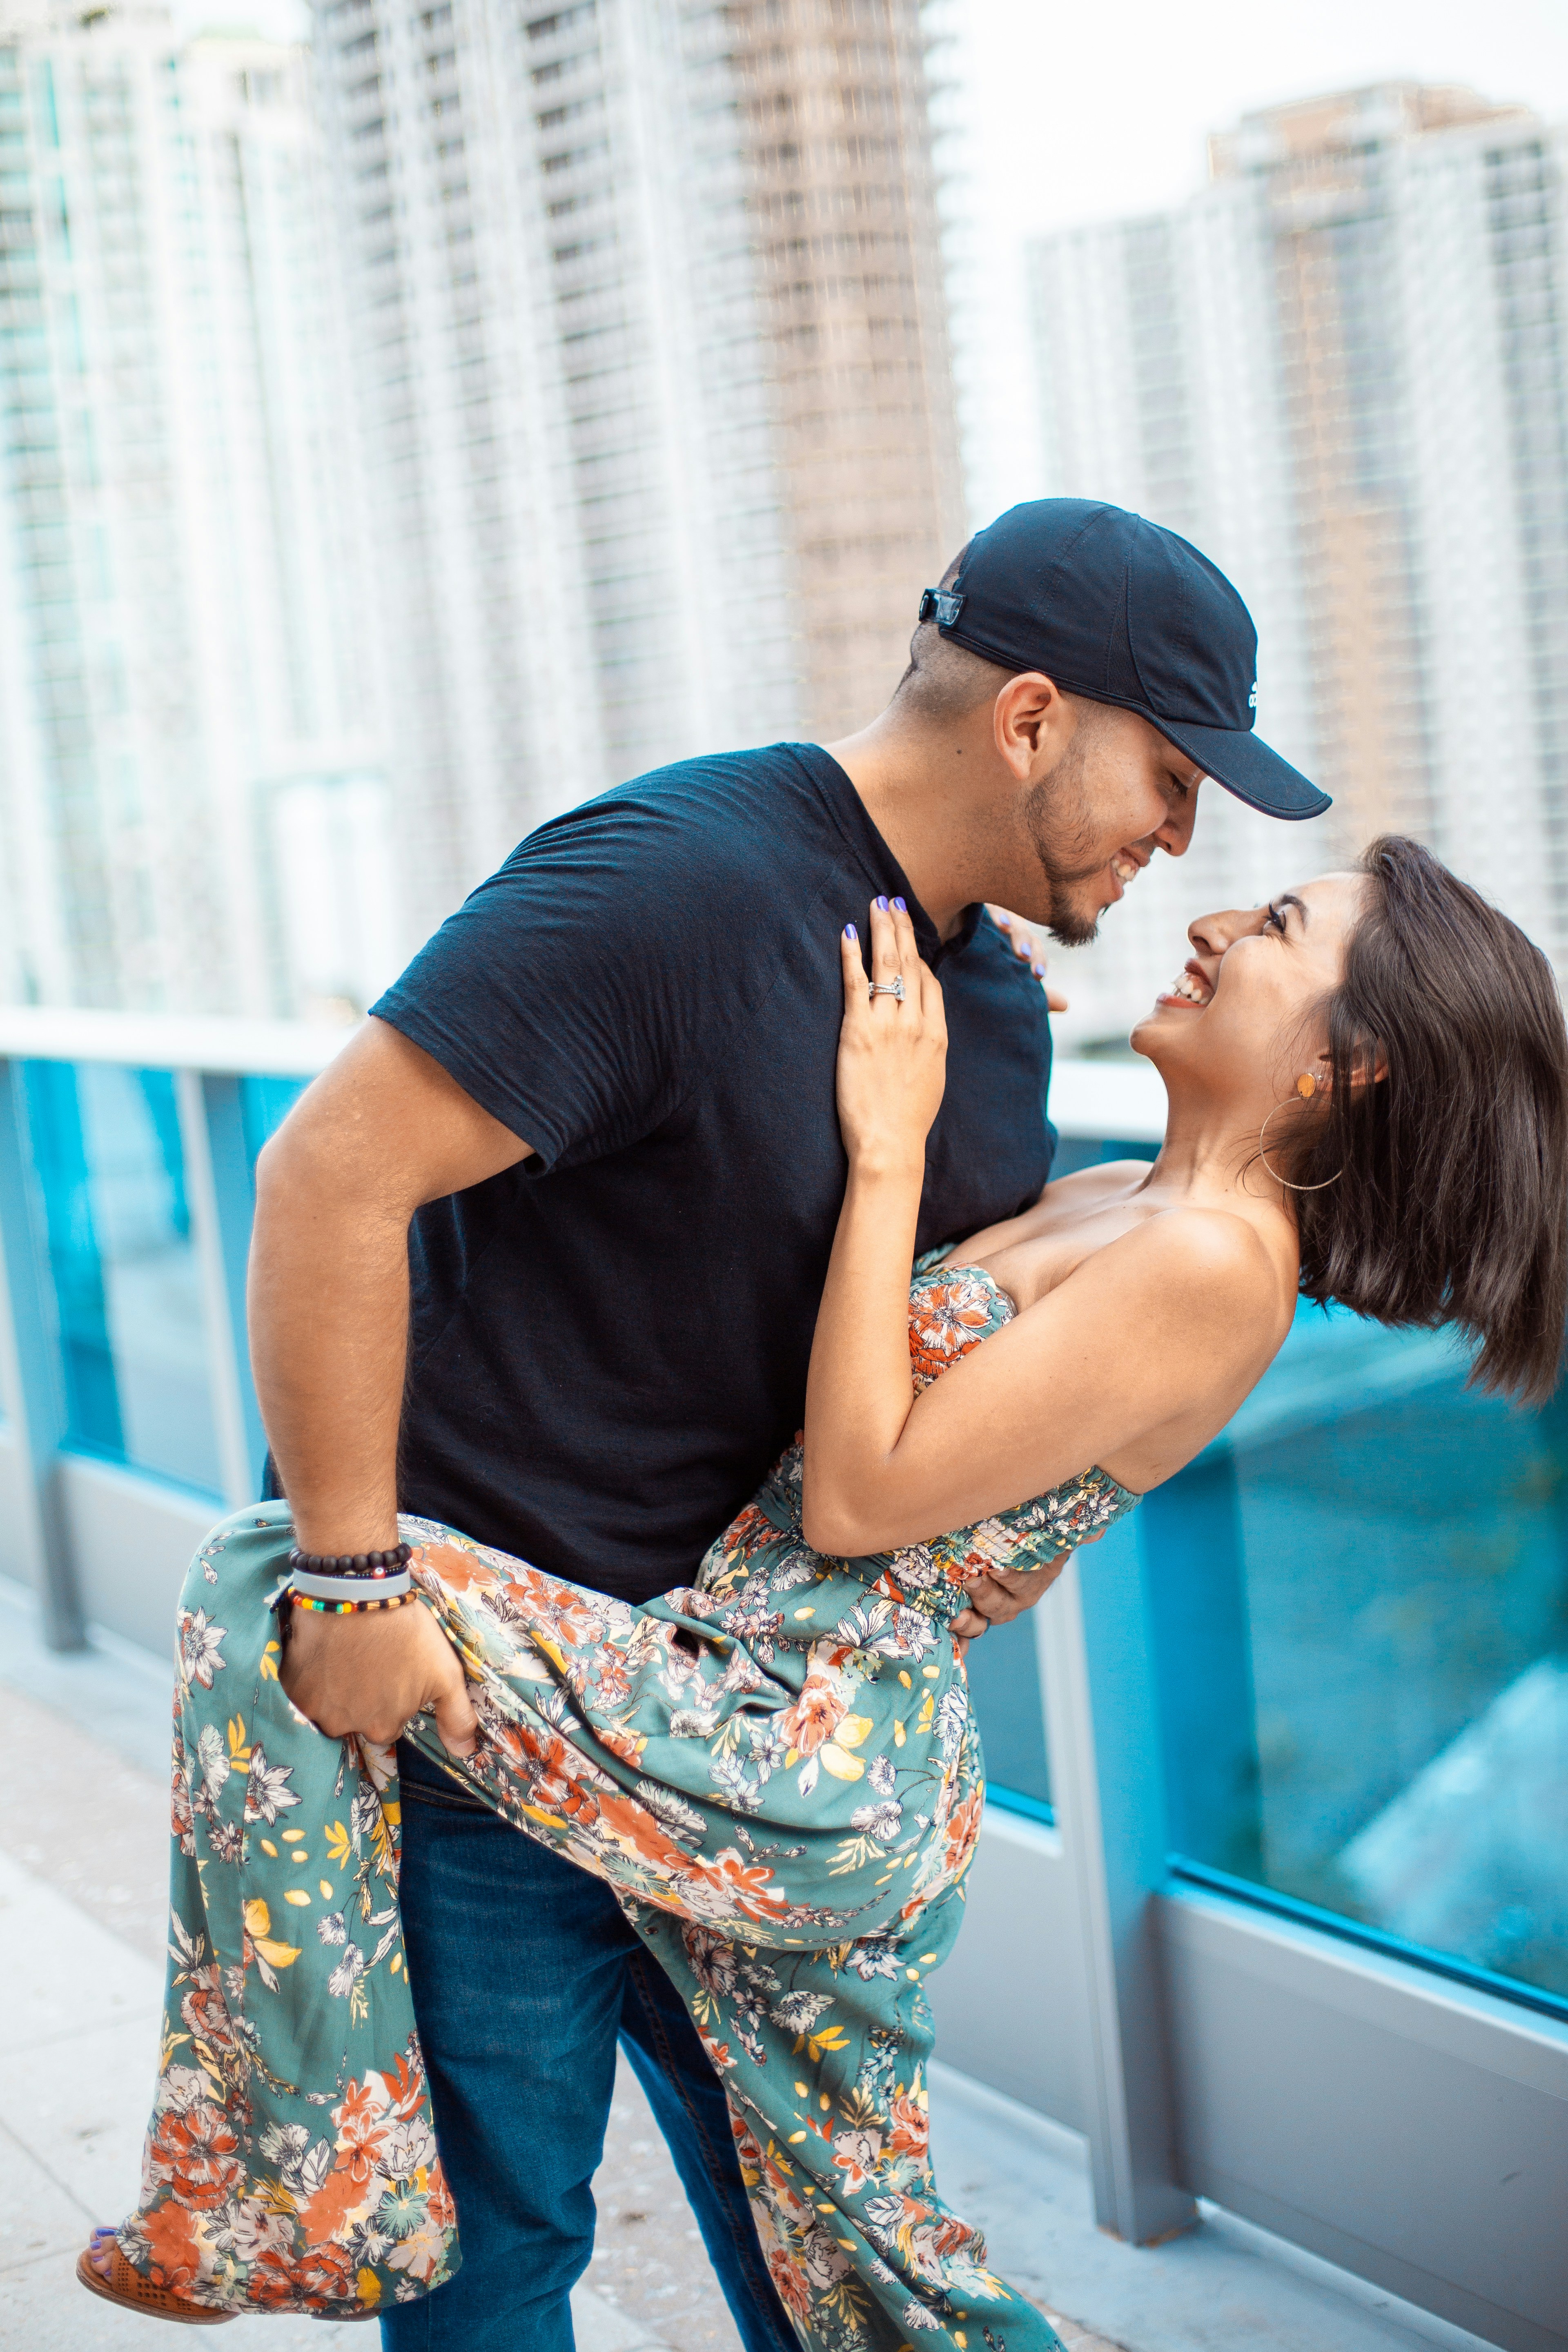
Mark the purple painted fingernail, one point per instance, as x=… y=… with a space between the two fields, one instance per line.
x=1039 y=971
x=850 y=933
x=901 y=905
x=882 y=905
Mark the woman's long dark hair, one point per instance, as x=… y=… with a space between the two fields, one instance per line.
x=1451 y=1202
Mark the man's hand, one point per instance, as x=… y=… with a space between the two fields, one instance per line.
x=1029 y=948
x=1001 y=1595
x=370 y=1675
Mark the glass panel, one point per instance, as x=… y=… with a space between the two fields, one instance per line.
x=1076 y=1152
x=1005 y=1685
x=1003 y=1664
x=106 y=1146
x=1359 y=1601
x=264 y=1104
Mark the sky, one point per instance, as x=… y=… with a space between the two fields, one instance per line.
x=1093 y=112
x=1100 y=108
x=1089 y=111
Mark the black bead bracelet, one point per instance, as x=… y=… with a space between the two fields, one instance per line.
x=366 y=1565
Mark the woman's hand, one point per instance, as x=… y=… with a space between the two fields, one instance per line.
x=892 y=1061
x=892 y=1056
x=1029 y=948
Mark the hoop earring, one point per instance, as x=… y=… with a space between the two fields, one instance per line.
x=1306 y=1086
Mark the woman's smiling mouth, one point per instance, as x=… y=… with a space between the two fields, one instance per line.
x=1191 y=987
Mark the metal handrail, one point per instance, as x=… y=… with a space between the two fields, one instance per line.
x=1119 y=1099
x=170 y=1041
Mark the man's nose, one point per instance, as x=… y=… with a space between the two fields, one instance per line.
x=1176 y=831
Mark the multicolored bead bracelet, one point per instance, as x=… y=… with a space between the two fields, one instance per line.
x=349 y=1608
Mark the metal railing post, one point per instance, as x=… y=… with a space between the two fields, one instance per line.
x=1102 y=1730
x=236 y=1200
x=31 y=1386
x=225 y=1346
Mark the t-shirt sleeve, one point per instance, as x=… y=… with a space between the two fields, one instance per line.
x=561 y=996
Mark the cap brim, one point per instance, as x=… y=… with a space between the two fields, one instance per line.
x=1246 y=768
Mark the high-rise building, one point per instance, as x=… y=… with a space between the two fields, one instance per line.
x=653 y=371
x=183 y=644
x=1340 y=369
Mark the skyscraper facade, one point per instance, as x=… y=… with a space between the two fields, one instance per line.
x=651 y=353
x=181 y=636
x=1341 y=369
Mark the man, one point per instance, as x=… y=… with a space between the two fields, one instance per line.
x=591 y=1131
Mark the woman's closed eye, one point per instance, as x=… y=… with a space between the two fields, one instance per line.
x=1275 y=919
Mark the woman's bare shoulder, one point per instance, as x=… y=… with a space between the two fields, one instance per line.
x=1212 y=1260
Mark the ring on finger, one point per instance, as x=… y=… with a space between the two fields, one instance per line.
x=894 y=987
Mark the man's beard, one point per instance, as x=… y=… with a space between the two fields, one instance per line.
x=1056 y=815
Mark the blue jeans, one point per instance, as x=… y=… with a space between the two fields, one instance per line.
x=523 y=1974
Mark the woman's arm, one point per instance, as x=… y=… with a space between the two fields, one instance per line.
x=892 y=1062
x=1132 y=1364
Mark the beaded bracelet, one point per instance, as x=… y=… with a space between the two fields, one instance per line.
x=360 y=1565
x=348 y=1607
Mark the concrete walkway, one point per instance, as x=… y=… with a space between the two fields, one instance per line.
x=83 y=1862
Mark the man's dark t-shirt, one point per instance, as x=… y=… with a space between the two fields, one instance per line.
x=610 y=1342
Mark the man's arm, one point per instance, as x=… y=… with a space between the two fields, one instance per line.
x=382 y=1131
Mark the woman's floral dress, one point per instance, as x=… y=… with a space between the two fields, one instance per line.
x=777 y=1773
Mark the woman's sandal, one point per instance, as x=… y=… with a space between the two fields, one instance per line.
x=126 y=2285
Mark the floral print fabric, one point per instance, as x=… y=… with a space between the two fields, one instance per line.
x=775 y=1769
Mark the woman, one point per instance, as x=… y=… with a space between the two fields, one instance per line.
x=777 y=1770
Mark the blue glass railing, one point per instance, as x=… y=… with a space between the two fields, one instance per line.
x=128 y=1151
x=106 y=1146
x=1358 y=1604
x=1357 y=1597
x=1358 y=1615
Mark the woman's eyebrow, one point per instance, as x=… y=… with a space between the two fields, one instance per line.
x=1288 y=899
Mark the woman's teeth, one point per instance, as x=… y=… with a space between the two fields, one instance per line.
x=1126 y=869
x=1186 y=985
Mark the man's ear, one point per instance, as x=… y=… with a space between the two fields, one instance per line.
x=1031 y=721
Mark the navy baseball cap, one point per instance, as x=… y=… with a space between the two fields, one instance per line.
x=1120 y=610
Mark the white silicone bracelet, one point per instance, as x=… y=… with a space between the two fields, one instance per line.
x=351 y=1588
